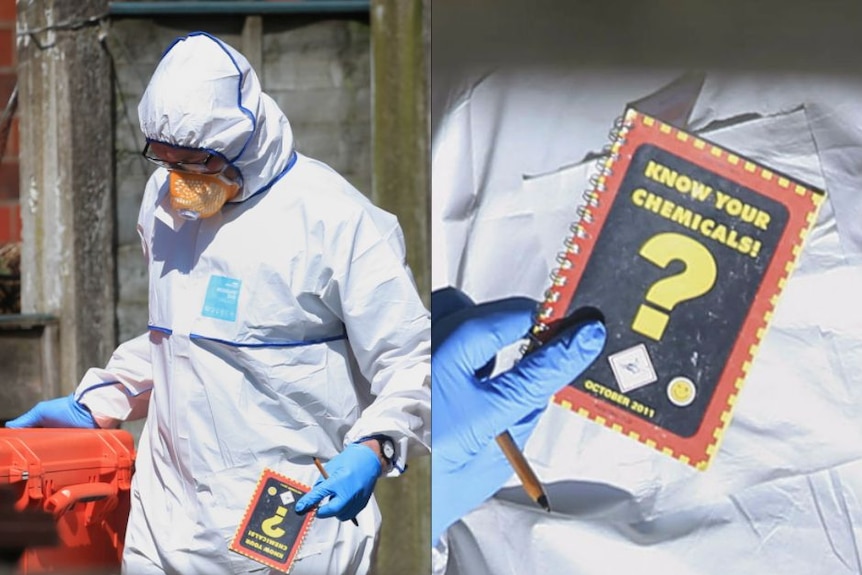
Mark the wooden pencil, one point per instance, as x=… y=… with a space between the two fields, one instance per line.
x=325 y=475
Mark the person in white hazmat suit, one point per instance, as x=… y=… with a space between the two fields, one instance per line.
x=284 y=325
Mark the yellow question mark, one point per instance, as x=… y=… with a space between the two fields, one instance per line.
x=270 y=526
x=697 y=279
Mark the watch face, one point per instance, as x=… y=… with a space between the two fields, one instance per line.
x=388 y=450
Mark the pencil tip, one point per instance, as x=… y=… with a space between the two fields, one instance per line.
x=543 y=501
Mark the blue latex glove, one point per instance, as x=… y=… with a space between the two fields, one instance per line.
x=468 y=413
x=60 y=412
x=352 y=475
x=445 y=302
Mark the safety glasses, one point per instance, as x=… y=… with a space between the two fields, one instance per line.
x=193 y=160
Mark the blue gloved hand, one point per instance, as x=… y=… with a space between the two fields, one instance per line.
x=469 y=411
x=352 y=475
x=445 y=302
x=60 y=412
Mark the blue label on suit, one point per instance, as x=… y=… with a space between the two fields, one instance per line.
x=222 y=298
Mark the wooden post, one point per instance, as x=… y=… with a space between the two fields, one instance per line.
x=67 y=206
x=400 y=32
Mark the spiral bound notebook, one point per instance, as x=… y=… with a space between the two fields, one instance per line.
x=271 y=532
x=684 y=247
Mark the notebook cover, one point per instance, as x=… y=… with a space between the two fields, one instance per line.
x=271 y=532
x=684 y=246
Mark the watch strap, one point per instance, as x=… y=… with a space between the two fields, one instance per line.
x=382 y=440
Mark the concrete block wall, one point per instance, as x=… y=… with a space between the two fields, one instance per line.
x=319 y=73
x=316 y=68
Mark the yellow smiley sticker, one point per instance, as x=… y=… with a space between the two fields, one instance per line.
x=681 y=391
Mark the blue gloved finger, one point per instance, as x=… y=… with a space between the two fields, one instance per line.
x=489 y=327
x=447 y=301
x=531 y=383
x=59 y=412
x=539 y=375
x=335 y=507
x=28 y=419
x=320 y=491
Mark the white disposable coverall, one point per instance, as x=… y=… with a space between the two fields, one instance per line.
x=272 y=326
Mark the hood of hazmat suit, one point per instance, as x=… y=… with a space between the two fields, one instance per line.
x=282 y=328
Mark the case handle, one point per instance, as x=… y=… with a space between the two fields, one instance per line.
x=60 y=501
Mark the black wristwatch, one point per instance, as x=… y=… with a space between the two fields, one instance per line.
x=387 y=447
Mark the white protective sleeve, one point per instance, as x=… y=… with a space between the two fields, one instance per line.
x=388 y=329
x=120 y=391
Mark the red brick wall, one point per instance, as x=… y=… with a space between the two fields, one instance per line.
x=10 y=214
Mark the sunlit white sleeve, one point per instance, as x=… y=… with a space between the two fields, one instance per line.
x=120 y=391
x=389 y=331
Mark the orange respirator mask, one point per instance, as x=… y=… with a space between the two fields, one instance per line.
x=196 y=196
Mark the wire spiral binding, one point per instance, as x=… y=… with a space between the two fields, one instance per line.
x=579 y=231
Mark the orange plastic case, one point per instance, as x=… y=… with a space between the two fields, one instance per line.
x=82 y=477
